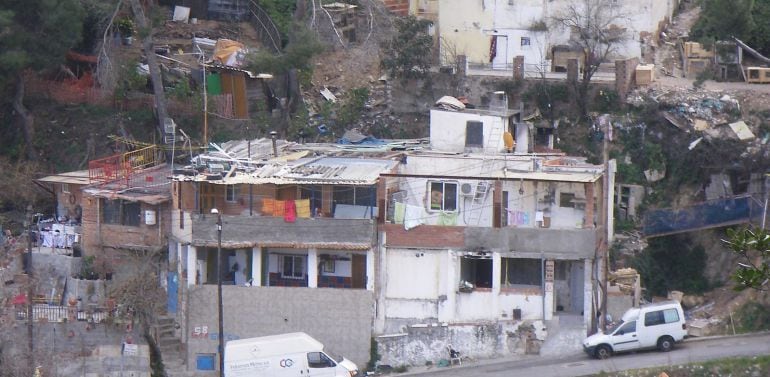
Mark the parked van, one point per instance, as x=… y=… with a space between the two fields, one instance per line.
x=286 y=355
x=658 y=325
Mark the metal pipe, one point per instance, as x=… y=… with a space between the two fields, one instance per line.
x=274 y=135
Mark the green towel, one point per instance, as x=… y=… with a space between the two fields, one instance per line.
x=447 y=218
x=398 y=214
x=214 y=84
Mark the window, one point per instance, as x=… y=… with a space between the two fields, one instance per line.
x=360 y=196
x=121 y=212
x=477 y=271
x=566 y=200
x=293 y=266
x=520 y=271
x=628 y=328
x=319 y=360
x=65 y=188
x=474 y=134
x=525 y=41
x=231 y=193
x=443 y=196
x=313 y=193
x=328 y=266
x=660 y=317
x=205 y=361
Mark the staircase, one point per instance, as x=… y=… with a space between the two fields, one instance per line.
x=170 y=347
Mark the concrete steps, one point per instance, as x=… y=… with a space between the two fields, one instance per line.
x=565 y=335
x=170 y=348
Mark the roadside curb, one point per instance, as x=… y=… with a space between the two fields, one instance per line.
x=715 y=337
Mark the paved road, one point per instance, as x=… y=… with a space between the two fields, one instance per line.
x=690 y=351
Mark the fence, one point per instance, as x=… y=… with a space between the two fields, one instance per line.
x=122 y=166
x=55 y=313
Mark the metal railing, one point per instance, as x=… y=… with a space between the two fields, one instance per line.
x=121 y=166
x=56 y=313
x=265 y=27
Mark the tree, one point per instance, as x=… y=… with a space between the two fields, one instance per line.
x=408 y=54
x=34 y=35
x=595 y=28
x=743 y=19
x=753 y=249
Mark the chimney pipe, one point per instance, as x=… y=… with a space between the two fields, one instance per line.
x=273 y=135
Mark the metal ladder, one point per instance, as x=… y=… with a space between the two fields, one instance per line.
x=483 y=187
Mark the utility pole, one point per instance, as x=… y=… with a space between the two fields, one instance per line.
x=605 y=249
x=30 y=291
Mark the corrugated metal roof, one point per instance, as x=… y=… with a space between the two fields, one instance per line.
x=79 y=177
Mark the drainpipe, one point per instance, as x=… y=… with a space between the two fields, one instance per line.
x=542 y=280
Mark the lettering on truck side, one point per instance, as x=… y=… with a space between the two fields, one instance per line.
x=247 y=368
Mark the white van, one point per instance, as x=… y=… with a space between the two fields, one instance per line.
x=659 y=325
x=286 y=355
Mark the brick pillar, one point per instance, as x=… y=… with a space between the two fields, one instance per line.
x=572 y=70
x=382 y=200
x=588 y=221
x=518 y=68
x=461 y=63
x=624 y=75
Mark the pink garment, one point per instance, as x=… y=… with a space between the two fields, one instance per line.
x=290 y=211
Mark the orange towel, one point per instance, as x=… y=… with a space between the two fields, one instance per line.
x=279 y=208
x=268 y=206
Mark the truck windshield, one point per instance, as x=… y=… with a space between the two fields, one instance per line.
x=612 y=328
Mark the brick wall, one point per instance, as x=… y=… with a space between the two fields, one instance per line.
x=429 y=236
x=624 y=75
x=399 y=7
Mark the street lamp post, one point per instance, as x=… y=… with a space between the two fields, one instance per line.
x=219 y=294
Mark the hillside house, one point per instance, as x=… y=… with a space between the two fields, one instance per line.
x=483 y=241
x=491 y=33
x=298 y=244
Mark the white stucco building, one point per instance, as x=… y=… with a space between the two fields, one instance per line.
x=477 y=239
x=493 y=32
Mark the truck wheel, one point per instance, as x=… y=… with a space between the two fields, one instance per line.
x=665 y=344
x=603 y=351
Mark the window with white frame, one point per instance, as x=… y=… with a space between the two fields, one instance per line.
x=293 y=266
x=65 y=188
x=442 y=196
x=231 y=193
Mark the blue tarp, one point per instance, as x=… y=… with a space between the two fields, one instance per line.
x=710 y=214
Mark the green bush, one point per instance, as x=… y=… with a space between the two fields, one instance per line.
x=672 y=263
x=752 y=317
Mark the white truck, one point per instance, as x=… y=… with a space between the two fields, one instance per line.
x=285 y=355
x=658 y=325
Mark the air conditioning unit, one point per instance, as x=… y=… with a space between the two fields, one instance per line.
x=466 y=189
x=216 y=168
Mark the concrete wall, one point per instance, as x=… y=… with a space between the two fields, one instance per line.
x=248 y=231
x=447 y=130
x=339 y=318
x=429 y=342
x=81 y=349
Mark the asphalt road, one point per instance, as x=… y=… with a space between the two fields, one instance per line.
x=690 y=351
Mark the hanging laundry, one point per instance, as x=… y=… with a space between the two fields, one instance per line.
x=398 y=213
x=279 y=209
x=447 y=218
x=290 y=211
x=268 y=206
x=303 y=208
x=413 y=216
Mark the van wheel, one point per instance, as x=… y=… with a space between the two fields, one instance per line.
x=603 y=351
x=665 y=344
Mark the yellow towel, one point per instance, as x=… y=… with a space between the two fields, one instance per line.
x=303 y=208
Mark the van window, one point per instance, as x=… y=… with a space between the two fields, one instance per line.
x=628 y=328
x=319 y=360
x=660 y=317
